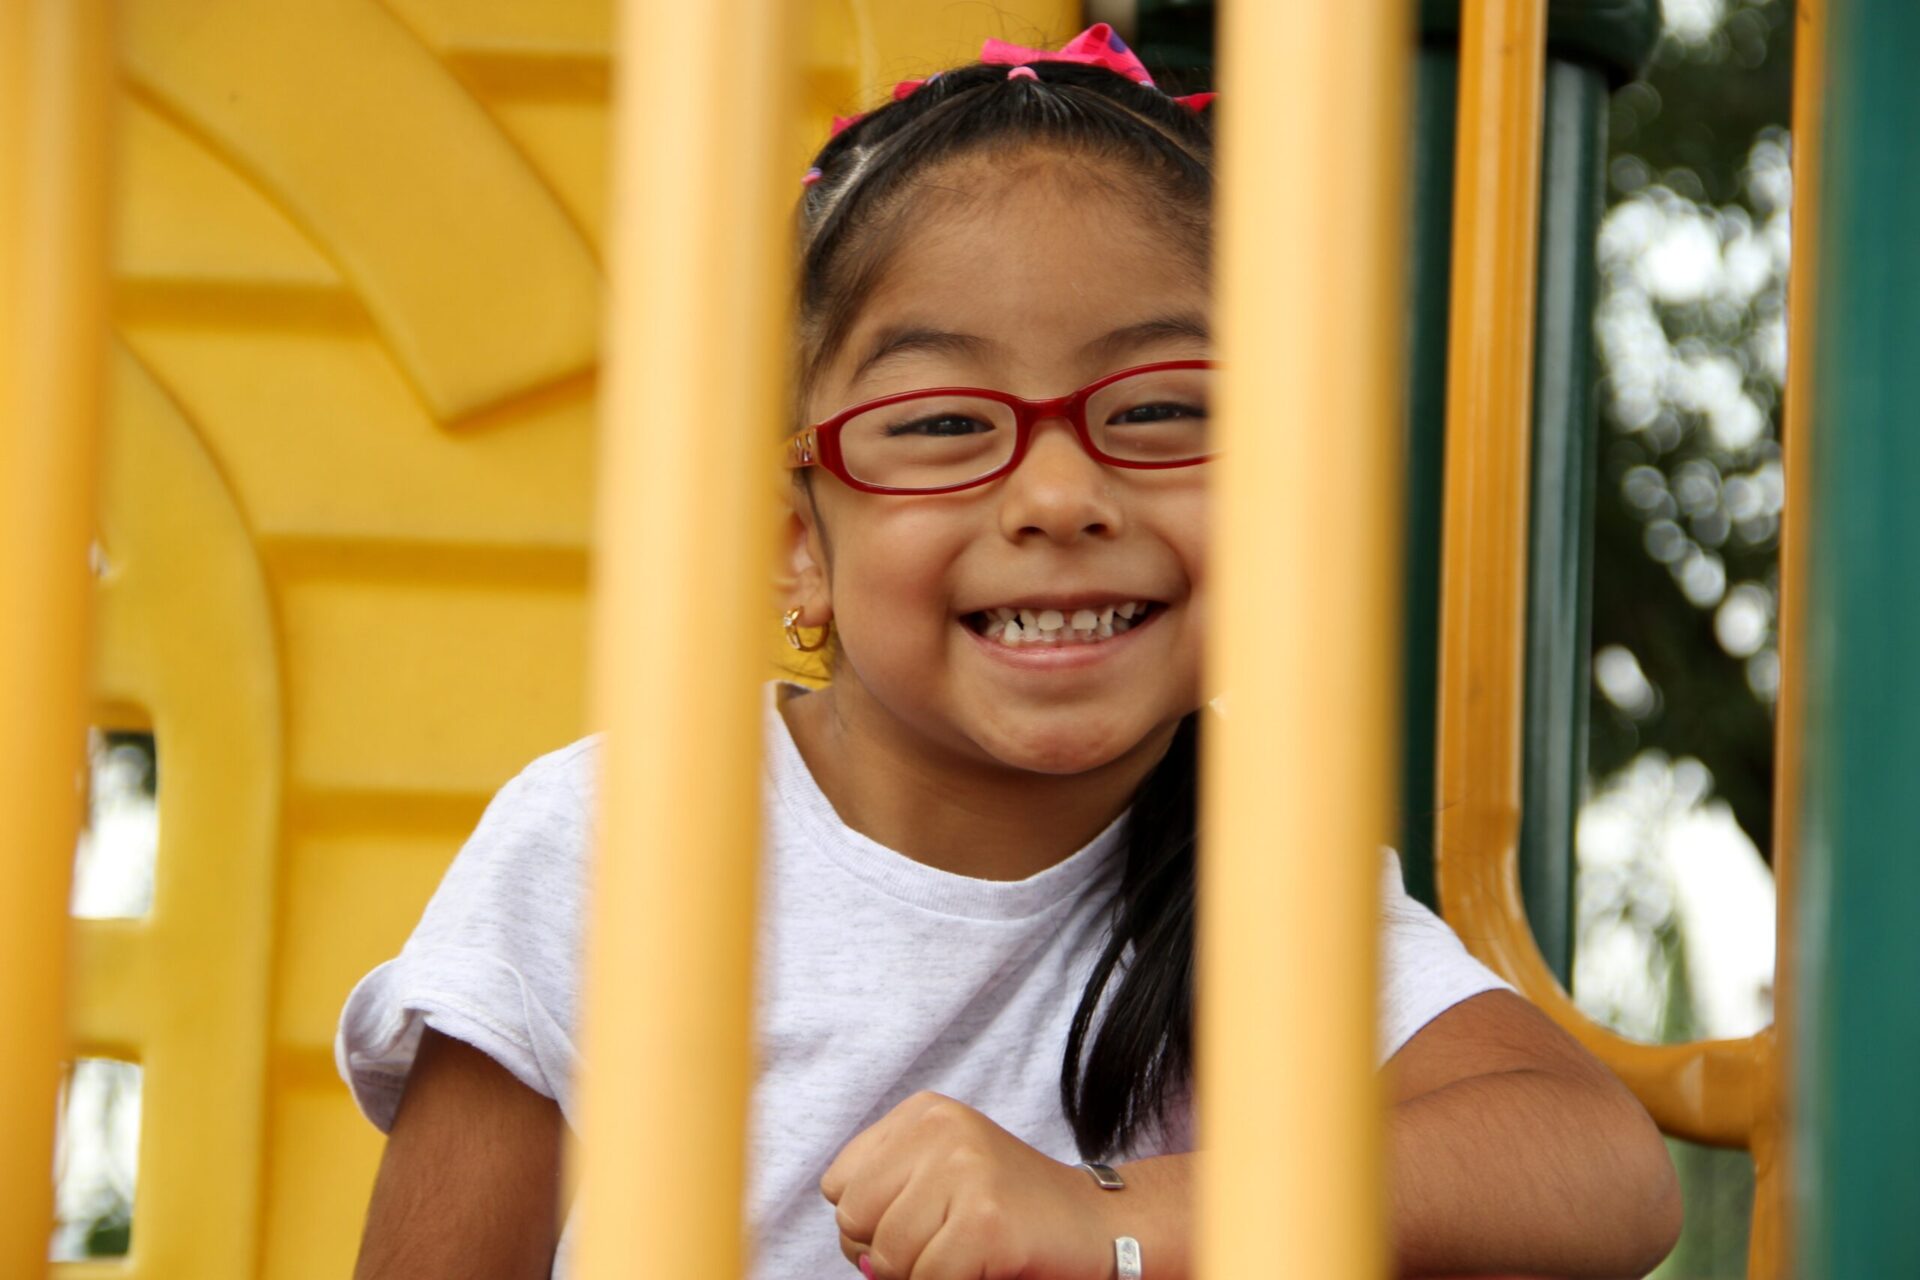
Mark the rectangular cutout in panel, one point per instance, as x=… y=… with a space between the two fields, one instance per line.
x=96 y=1160
x=114 y=862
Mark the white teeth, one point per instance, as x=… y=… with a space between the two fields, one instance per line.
x=1012 y=626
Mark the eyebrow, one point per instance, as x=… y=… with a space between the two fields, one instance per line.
x=900 y=339
x=1159 y=329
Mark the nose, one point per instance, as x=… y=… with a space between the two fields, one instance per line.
x=1059 y=491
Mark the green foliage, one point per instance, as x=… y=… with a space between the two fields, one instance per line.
x=1687 y=502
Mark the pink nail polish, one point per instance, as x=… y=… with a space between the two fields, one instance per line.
x=866 y=1268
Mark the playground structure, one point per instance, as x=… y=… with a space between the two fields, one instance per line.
x=346 y=457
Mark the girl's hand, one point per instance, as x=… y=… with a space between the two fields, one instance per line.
x=936 y=1191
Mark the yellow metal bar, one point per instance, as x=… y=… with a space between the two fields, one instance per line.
x=1703 y=1091
x=1770 y=1241
x=1299 y=772
x=684 y=542
x=53 y=166
x=1489 y=402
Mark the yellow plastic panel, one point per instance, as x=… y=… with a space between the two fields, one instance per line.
x=476 y=672
x=914 y=39
x=184 y=632
x=471 y=271
x=512 y=30
x=326 y=442
x=566 y=138
x=186 y=218
x=320 y=1167
x=332 y=930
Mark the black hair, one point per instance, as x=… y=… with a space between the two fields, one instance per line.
x=1118 y=1079
x=853 y=216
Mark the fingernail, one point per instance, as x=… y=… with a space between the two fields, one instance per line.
x=866 y=1268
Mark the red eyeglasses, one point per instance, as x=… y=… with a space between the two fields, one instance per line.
x=1147 y=418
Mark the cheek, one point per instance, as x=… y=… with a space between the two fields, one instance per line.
x=1180 y=518
x=892 y=571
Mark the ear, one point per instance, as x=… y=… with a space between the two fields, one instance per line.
x=801 y=578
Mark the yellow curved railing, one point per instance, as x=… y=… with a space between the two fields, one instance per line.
x=1722 y=1092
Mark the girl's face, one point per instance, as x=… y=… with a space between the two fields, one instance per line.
x=1032 y=275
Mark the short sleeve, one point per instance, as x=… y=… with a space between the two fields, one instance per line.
x=495 y=959
x=1424 y=969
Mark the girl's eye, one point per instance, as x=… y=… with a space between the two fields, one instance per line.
x=939 y=424
x=1159 y=411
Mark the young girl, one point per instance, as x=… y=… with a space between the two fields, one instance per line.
x=975 y=969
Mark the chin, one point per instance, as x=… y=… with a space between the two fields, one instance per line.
x=1061 y=744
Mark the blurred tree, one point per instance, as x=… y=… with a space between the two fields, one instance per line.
x=1691 y=328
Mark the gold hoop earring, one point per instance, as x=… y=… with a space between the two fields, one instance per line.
x=791 y=621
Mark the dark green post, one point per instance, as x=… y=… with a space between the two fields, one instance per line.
x=1591 y=45
x=1857 y=1125
x=1560 y=533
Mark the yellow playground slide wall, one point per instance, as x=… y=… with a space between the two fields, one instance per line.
x=345 y=526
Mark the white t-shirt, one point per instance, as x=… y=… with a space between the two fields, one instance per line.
x=878 y=977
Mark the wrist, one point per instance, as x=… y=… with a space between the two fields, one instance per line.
x=1115 y=1250
x=1155 y=1209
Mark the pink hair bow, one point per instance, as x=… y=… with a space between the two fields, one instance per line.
x=1097 y=46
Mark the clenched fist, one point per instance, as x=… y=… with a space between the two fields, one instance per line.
x=936 y=1191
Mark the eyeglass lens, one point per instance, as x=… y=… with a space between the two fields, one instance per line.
x=931 y=442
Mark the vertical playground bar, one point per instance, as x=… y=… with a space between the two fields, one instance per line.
x=53 y=176
x=1770 y=1238
x=1855 y=1127
x=681 y=606
x=1298 y=790
x=1489 y=410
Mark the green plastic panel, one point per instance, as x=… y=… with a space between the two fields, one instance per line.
x=1857 y=1145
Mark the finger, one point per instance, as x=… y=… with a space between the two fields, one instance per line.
x=910 y=1221
x=852 y=1250
x=864 y=1146
x=965 y=1248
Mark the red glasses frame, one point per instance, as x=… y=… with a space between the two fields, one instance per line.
x=819 y=444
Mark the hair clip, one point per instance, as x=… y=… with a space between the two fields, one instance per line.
x=810 y=177
x=1097 y=46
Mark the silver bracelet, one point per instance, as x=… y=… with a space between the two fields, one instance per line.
x=1126 y=1258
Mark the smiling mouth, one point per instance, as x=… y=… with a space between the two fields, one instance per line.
x=1017 y=628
